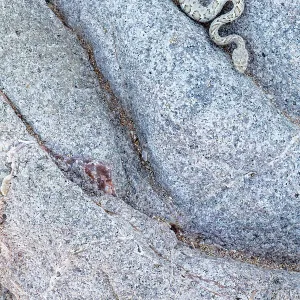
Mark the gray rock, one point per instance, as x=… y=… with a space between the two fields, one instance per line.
x=61 y=99
x=61 y=241
x=216 y=142
x=272 y=30
x=5 y=294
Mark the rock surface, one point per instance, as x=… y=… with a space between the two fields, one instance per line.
x=58 y=243
x=272 y=29
x=216 y=142
x=226 y=162
x=75 y=117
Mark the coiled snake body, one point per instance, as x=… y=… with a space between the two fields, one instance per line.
x=204 y=14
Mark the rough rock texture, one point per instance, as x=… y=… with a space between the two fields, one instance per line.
x=272 y=29
x=58 y=243
x=60 y=97
x=226 y=162
x=5 y=294
x=216 y=142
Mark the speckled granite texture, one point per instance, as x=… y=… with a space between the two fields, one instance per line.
x=204 y=160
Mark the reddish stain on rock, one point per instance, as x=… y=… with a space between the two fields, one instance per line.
x=89 y=174
x=101 y=175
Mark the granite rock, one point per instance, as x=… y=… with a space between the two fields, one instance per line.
x=61 y=99
x=195 y=149
x=59 y=243
x=272 y=31
x=217 y=143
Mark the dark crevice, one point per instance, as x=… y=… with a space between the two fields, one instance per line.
x=89 y=175
x=114 y=293
x=197 y=241
x=270 y=96
x=195 y=277
x=18 y=113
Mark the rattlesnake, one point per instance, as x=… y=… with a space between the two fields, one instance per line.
x=204 y=14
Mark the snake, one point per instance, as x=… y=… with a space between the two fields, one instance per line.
x=204 y=14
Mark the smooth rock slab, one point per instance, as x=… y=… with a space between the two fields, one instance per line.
x=228 y=157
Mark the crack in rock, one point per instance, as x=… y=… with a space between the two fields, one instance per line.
x=91 y=175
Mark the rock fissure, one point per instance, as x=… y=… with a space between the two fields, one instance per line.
x=92 y=176
x=116 y=108
x=18 y=113
x=113 y=291
x=270 y=96
x=198 y=277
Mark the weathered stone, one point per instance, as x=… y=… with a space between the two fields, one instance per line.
x=58 y=243
x=61 y=241
x=48 y=76
x=272 y=29
x=215 y=140
x=5 y=294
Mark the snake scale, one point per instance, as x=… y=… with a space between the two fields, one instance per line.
x=204 y=14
